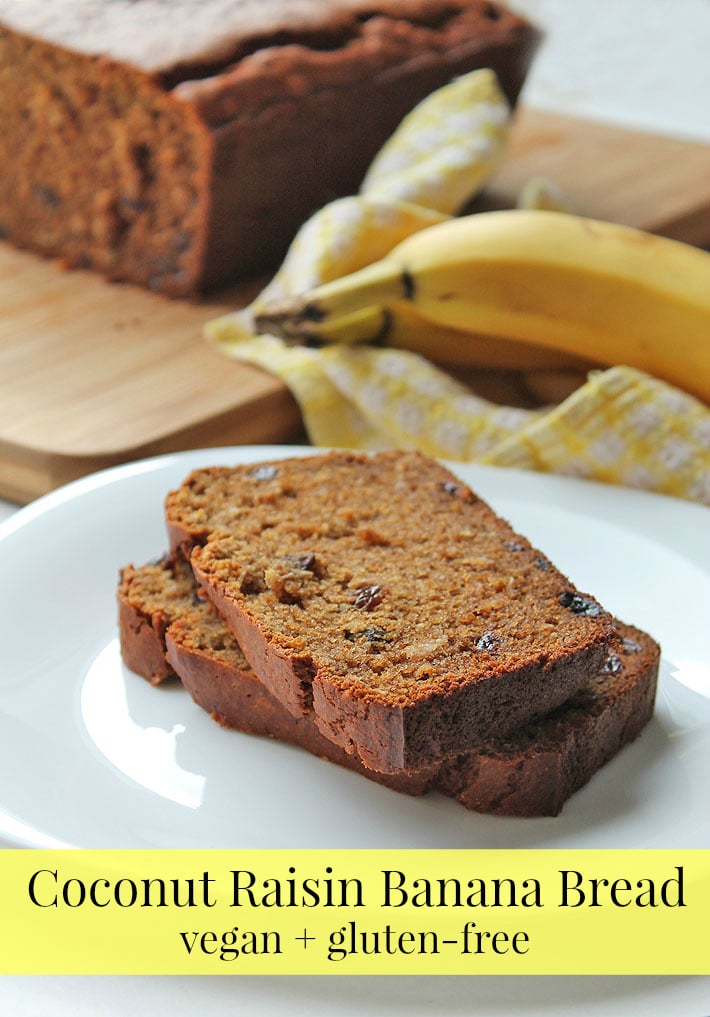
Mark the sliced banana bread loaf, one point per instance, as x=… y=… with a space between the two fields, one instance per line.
x=214 y=128
x=381 y=595
x=532 y=772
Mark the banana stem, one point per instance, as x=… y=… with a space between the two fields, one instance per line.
x=354 y=300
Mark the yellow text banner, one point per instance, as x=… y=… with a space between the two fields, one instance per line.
x=458 y=912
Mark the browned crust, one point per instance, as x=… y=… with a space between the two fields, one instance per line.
x=316 y=129
x=142 y=635
x=539 y=781
x=208 y=39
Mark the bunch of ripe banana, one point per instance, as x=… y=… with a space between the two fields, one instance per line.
x=523 y=289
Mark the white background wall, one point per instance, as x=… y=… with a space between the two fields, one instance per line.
x=642 y=63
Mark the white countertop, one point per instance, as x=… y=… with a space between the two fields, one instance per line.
x=640 y=63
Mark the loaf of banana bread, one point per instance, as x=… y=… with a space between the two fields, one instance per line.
x=382 y=596
x=180 y=143
x=167 y=627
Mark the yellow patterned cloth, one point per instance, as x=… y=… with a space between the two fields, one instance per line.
x=621 y=426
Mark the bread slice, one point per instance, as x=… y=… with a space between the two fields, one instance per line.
x=167 y=627
x=381 y=595
x=214 y=128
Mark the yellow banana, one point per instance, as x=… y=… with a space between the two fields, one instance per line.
x=407 y=329
x=595 y=290
x=402 y=327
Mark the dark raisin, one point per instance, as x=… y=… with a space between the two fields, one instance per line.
x=513 y=545
x=368 y=597
x=304 y=562
x=488 y=642
x=252 y=583
x=578 y=604
x=450 y=487
x=165 y=265
x=631 y=646
x=181 y=242
x=612 y=665
x=130 y=205
x=263 y=472
x=374 y=634
x=48 y=196
x=180 y=279
x=542 y=564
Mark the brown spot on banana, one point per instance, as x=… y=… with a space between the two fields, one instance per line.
x=409 y=287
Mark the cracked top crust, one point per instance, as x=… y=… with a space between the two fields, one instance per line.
x=157 y=36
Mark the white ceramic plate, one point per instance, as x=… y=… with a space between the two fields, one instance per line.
x=100 y=758
x=93 y=756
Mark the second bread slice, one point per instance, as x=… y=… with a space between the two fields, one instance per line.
x=167 y=628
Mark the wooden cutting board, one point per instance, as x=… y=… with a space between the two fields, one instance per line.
x=94 y=374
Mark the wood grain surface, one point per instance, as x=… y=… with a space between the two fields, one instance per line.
x=93 y=374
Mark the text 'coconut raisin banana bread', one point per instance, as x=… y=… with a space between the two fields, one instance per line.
x=380 y=596
x=168 y=627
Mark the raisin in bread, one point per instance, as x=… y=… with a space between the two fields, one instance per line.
x=164 y=616
x=382 y=596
